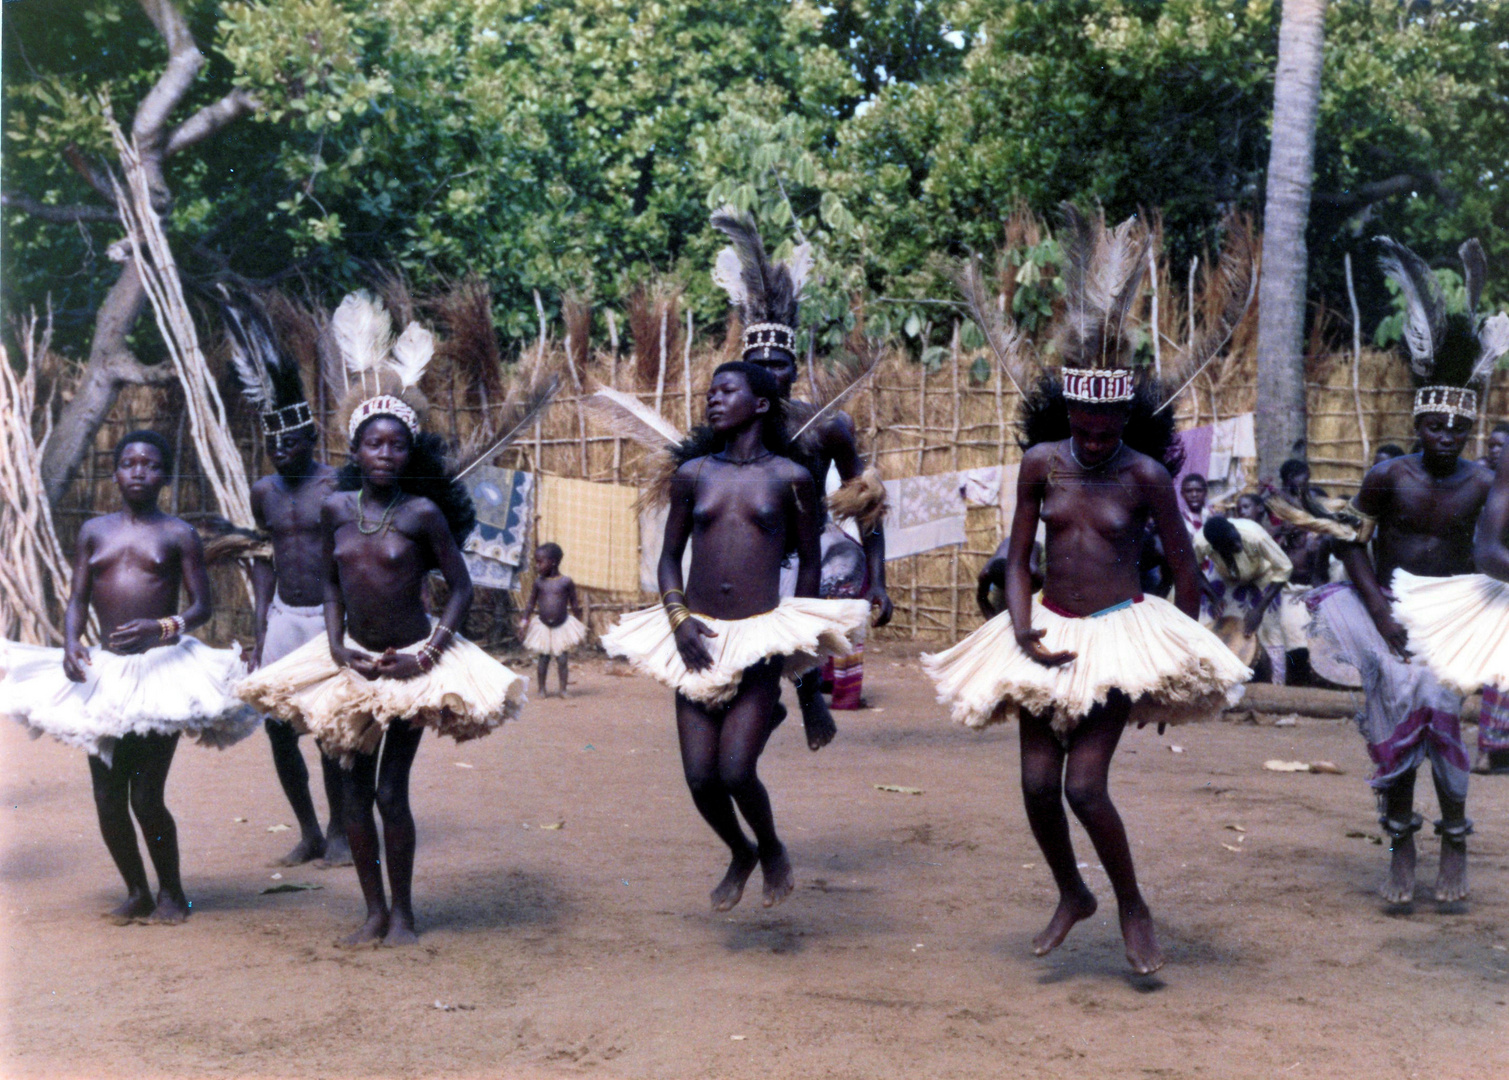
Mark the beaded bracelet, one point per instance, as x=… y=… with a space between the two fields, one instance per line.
x=170 y=627
x=427 y=657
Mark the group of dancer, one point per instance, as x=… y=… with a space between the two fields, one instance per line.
x=345 y=650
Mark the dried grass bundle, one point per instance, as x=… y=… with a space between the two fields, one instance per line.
x=576 y=313
x=470 y=345
x=651 y=309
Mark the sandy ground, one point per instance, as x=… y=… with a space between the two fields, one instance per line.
x=589 y=949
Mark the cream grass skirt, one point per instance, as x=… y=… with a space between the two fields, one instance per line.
x=803 y=630
x=466 y=695
x=1458 y=625
x=1173 y=668
x=184 y=687
x=554 y=640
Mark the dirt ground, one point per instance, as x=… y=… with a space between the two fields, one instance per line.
x=588 y=948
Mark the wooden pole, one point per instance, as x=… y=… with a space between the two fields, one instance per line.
x=1362 y=431
x=665 y=313
x=1157 y=334
x=686 y=373
x=953 y=555
x=539 y=307
x=613 y=336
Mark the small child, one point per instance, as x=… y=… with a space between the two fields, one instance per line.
x=559 y=628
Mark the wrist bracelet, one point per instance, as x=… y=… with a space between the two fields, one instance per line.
x=671 y=592
x=170 y=627
x=427 y=657
x=677 y=614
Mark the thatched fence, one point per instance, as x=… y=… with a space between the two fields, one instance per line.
x=915 y=421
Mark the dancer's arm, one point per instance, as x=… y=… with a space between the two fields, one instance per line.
x=1178 y=552
x=335 y=604
x=1488 y=550
x=139 y=635
x=434 y=532
x=534 y=596
x=992 y=575
x=1372 y=500
x=572 y=600
x=1031 y=484
x=807 y=521
x=75 y=655
x=264 y=582
x=678 y=530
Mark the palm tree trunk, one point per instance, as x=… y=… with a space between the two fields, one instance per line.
x=1281 y=292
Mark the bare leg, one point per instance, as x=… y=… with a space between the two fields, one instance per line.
x=1042 y=791
x=698 y=734
x=1397 y=803
x=560 y=667
x=1453 y=828
x=746 y=728
x=398 y=750
x=541 y=670
x=112 y=800
x=817 y=718
x=361 y=834
x=149 y=781
x=337 y=848
x=293 y=774
x=1086 y=786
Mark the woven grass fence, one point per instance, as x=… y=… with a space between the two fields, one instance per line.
x=915 y=421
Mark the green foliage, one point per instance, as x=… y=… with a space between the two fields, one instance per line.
x=554 y=144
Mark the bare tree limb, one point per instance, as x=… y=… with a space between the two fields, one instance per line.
x=1378 y=190
x=149 y=126
x=64 y=214
x=210 y=119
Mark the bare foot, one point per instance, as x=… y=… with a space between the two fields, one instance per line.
x=370 y=933
x=337 y=852
x=306 y=850
x=818 y=721
x=1143 y=952
x=1071 y=909
x=1400 y=886
x=137 y=906
x=400 y=930
x=731 y=889
x=779 y=878
x=170 y=911
x=564 y=693
x=1451 y=881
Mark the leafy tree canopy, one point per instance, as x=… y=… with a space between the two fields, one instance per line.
x=580 y=143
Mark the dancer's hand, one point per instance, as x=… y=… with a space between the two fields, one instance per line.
x=1394 y=635
x=689 y=637
x=253 y=659
x=1031 y=642
x=393 y=664
x=881 y=607
x=75 y=660
x=354 y=659
x=1251 y=623
x=137 y=635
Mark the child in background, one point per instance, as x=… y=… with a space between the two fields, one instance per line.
x=558 y=628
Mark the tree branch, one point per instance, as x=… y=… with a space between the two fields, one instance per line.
x=210 y=119
x=127 y=369
x=148 y=126
x=63 y=214
x=1378 y=190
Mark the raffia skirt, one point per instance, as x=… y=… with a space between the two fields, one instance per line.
x=1172 y=668
x=801 y=630
x=184 y=687
x=1458 y=625
x=554 y=640
x=466 y=695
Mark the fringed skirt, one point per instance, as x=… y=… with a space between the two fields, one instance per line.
x=466 y=695
x=1458 y=625
x=554 y=640
x=801 y=630
x=1172 y=668
x=184 y=687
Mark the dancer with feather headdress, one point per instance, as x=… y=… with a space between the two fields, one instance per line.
x=1090 y=651
x=289 y=588
x=383 y=671
x=1420 y=511
x=767 y=296
x=724 y=636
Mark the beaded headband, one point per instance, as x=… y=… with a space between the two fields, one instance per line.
x=770 y=336
x=288 y=419
x=1098 y=385
x=384 y=405
x=1451 y=400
